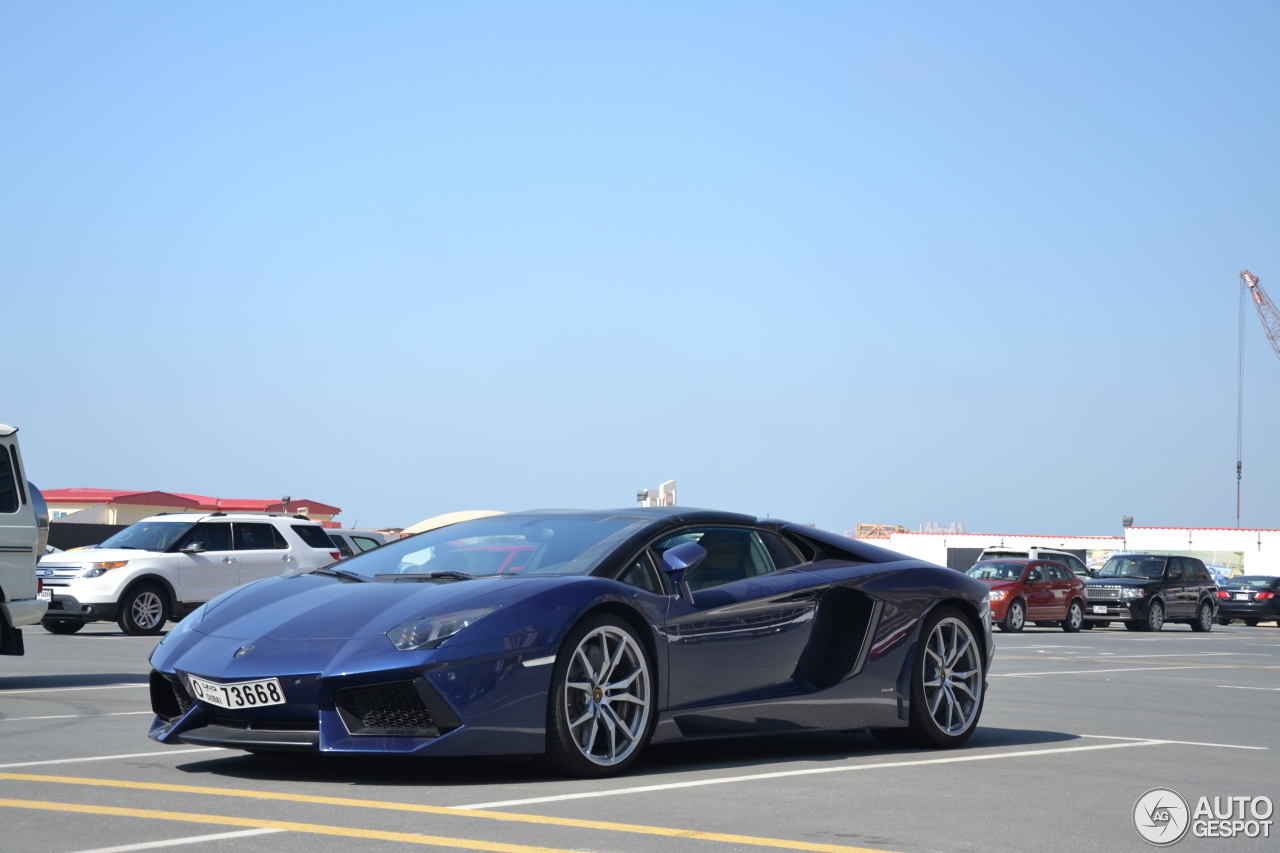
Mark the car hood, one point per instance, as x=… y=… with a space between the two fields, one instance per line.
x=319 y=607
x=97 y=555
x=996 y=583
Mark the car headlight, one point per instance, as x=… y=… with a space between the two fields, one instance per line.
x=998 y=594
x=94 y=570
x=432 y=631
x=1131 y=592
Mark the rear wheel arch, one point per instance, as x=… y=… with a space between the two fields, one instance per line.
x=975 y=621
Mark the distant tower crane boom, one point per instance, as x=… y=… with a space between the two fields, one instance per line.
x=1271 y=325
x=1266 y=309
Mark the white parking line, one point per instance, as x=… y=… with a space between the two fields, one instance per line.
x=722 y=780
x=1238 y=687
x=1089 y=671
x=192 y=839
x=4 y=693
x=110 y=757
x=73 y=716
x=1180 y=742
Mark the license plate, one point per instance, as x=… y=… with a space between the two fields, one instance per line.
x=45 y=595
x=1242 y=596
x=1100 y=608
x=242 y=694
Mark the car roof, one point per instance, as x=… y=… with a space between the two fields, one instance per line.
x=1022 y=560
x=229 y=516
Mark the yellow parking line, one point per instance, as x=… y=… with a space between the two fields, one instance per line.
x=576 y=823
x=313 y=828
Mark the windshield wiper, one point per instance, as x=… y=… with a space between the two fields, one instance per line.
x=453 y=576
x=341 y=573
x=130 y=547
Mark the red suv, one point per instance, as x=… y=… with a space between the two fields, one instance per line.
x=1032 y=589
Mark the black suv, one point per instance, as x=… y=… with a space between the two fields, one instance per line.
x=1147 y=590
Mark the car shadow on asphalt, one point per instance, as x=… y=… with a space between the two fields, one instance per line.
x=760 y=754
x=89 y=679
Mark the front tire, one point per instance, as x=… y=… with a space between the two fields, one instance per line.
x=1155 y=617
x=1203 y=623
x=1134 y=626
x=947 y=684
x=143 y=611
x=62 y=626
x=600 y=708
x=1016 y=617
x=1075 y=618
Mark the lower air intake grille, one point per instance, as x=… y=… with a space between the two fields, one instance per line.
x=386 y=709
x=169 y=699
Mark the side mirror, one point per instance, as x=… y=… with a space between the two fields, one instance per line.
x=679 y=561
x=192 y=548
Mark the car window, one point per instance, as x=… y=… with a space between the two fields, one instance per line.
x=364 y=543
x=1175 y=571
x=212 y=536
x=313 y=535
x=1035 y=575
x=1077 y=567
x=340 y=542
x=280 y=541
x=8 y=484
x=253 y=536
x=641 y=574
x=1058 y=572
x=733 y=554
x=996 y=570
x=778 y=550
x=1200 y=572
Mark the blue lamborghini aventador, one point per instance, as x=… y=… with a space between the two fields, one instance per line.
x=579 y=637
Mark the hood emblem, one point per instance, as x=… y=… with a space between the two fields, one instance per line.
x=242 y=651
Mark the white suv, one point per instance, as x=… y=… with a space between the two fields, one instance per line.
x=24 y=529
x=167 y=565
x=1071 y=561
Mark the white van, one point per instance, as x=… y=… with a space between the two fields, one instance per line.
x=24 y=532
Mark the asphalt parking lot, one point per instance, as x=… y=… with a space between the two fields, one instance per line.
x=1076 y=728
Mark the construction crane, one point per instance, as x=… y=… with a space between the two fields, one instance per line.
x=1250 y=284
x=1266 y=309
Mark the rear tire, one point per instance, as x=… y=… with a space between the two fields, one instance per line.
x=1075 y=617
x=948 y=662
x=1203 y=623
x=62 y=626
x=144 y=610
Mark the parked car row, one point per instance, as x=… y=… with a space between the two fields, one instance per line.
x=1143 y=592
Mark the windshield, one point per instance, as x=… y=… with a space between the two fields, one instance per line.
x=503 y=545
x=149 y=535
x=996 y=571
x=1145 y=568
x=1257 y=581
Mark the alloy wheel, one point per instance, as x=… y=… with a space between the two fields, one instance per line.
x=606 y=696
x=952 y=676
x=1075 y=617
x=146 y=610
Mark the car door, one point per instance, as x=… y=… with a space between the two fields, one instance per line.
x=1060 y=586
x=206 y=561
x=1176 y=604
x=747 y=626
x=1039 y=592
x=262 y=551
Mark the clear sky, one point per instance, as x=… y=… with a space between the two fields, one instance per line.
x=835 y=262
